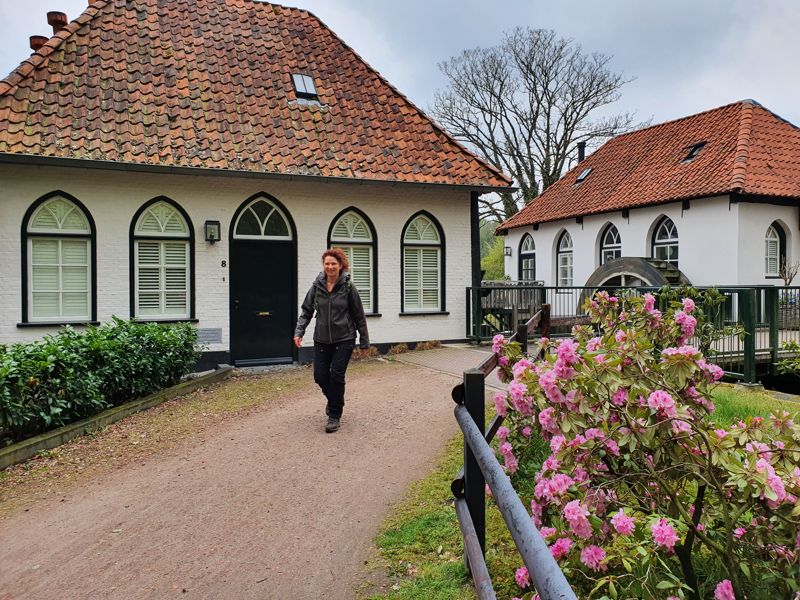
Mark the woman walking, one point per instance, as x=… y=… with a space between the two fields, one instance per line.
x=339 y=314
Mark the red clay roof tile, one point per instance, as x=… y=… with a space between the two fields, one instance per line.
x=748 y=150
x=207 y=83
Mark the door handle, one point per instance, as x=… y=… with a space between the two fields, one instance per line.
x=236 y=305
x=262 y=313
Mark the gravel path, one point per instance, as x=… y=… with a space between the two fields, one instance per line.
x=265 y=505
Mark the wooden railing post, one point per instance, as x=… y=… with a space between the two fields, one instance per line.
x=771 y=302
x=747 y=306
x=522 y=337
x=474 y=483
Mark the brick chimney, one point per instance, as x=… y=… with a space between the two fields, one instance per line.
x=37 y=41
x=581 y=151
x=58 y=20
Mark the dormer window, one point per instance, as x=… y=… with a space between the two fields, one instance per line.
x=304 y=86
x=692 y=151
x=584 y=174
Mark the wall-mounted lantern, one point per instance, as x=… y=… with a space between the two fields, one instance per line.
x=212 y=230
x=507 y=250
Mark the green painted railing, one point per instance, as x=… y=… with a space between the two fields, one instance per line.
x=768 y=315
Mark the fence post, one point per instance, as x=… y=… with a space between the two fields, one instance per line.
x=474 y=484
x=771 y=302
x=522 y=337
x=747 y=306
x=477 y=311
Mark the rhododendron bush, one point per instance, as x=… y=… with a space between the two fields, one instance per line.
x=642 y=494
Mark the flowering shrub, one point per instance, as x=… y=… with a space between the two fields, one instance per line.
x=642 y=494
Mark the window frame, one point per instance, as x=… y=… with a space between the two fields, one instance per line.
x=304 y=79
x=668 y=243
x=780 y=234
x=372 y=244
x=526 y=255
x=134 y=237
x=26 y=238
x=612 y=246
x=441 y=246
x=566 y=253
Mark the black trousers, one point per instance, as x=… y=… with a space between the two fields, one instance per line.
x=330 y=365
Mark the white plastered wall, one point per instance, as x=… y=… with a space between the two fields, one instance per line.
x=113 y=197
x=754 y=219
x=708 y=231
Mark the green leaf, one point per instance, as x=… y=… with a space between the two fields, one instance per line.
x=665 y=585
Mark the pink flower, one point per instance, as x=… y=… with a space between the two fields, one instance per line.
x=522 y=578
x=576 y=513
x=721 y=433
x=517 y=390
x=680 y=426
x=561 y=547
x=498 y=342
x=724 y=590
x=526 y=431
x=661 y=402
x=593 y=557
x=547 y=532
x=687 y=323
x=547 y=421
x=568 y=351
x=739 y=532
x=502 y=433
x=503 y=361
x=612 y=447
x=620 y=397
x=664 y=534
x=688 y=305
x=500 y=406
x=593 y=344
x=623 y=523
x=649 y=302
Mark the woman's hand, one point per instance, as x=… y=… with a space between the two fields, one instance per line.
x=298 y=341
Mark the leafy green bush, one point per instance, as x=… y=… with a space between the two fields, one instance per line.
x=72 y=375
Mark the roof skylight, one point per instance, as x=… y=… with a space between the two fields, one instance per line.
x=304 y=86
x=692 y=151
x=584 y=174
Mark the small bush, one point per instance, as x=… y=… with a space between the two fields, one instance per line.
x=398 y=349
x=362 y=353
x=430 y=345
x=72 y=375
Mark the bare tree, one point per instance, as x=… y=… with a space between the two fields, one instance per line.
x=788 y=271
x=525 y=104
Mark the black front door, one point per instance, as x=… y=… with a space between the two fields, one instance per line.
x=263 y=313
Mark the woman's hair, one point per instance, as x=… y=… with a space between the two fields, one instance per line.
x=339 y=255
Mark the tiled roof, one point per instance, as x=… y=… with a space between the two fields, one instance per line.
x=207 y=84
x=748 y=150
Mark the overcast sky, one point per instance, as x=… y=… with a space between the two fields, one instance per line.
x=685 y=55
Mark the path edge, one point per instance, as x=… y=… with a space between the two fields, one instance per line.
x=16 y=453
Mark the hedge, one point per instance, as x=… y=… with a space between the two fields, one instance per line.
x=72 y=375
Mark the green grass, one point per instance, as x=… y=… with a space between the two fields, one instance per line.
x=733 y=405
x=420 y=548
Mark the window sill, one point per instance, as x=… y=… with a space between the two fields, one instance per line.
x=423 y=313
x=165 y=321
x=55 y=323
x=368 y=315
x=772 y=277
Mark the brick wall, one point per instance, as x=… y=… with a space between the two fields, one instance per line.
x=114 y=197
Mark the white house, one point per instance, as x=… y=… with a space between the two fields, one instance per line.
x=191 y=160
x=709 y=199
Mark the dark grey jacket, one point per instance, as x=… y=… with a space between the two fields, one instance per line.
x=339 y=313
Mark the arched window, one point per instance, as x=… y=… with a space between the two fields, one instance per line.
x=564 y=260
x=774 y=250
x=352 y=232
x=162 y=255
x=423 y=265
x=610 y=244
x=262 y=220
x=59 y=260
x=527 y=258
x=665 y=241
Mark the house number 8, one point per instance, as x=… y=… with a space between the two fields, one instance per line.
x=224 y=263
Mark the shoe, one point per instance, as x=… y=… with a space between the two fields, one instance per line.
x=332 y=425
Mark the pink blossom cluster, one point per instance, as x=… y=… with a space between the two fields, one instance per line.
x=661 y=402
x=498 y=343
x=664 y=534
x=687 y=323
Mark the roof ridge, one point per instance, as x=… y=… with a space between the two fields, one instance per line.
x=742 y=153
x=433 y=123
x=40 y=56
x=679 y=119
